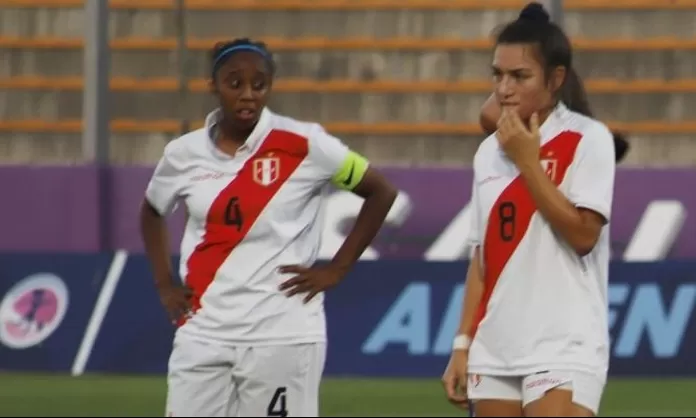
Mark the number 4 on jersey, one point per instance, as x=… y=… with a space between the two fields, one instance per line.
x=233 y=214
x=278 y=407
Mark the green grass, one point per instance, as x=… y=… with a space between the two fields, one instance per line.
x=99 y=395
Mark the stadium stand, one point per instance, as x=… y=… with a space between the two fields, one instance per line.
x=401 y=81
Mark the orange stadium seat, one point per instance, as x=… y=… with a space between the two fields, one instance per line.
x=279 y=44
x=358 y=4
x=169 y=84
x=171 y=126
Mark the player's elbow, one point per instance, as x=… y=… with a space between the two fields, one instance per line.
x=386 y=193
x=586 y=232
x=488 y=123
x=389 y=191
x=584 y=241
x=584 y=247
x=376 y=187
x=490 y=113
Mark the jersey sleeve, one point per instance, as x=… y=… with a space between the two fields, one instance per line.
x=335 y=162
x=164 y=187
x=592 y=182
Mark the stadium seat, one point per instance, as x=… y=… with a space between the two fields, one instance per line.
x=418 y=79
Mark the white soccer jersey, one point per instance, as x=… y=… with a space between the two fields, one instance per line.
x=249 y=215
x=544 y=307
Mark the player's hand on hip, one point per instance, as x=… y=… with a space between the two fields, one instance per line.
x=176 y=300
x=310 y=280
x=520 y=144
x=455 y=378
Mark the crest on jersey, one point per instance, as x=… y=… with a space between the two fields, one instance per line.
x=549 y=165
x=266 y=170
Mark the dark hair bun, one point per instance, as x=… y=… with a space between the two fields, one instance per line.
x=621 y=146
x=534 y=12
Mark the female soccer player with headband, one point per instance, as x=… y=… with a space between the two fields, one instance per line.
x=252 y=334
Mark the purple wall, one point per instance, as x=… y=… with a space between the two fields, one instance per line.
x=51 y=209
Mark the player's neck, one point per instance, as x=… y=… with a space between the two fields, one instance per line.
x=232 y=134
x=228 y=139
x=543 y=114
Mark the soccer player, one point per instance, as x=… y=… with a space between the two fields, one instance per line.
x=251 y=339
x=533 y=338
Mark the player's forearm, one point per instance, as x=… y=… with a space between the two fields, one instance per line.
x=472 y=295
x=370 y=219
x=564 y=218
x=153 y=230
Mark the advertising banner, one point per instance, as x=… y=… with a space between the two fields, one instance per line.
x=101 y=313
x=46 y=302
x=652 y=208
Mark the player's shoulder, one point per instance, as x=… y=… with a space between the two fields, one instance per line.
x=487 y=149
x=314 y=133
x=594 y=133
x=302 y=128
x=185 y=145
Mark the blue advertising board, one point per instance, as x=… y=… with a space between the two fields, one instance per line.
x=45 y=306
x=399 y=318
x=136 y=335
x=388 y=318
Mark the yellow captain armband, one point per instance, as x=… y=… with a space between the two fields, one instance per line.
x=351 y=172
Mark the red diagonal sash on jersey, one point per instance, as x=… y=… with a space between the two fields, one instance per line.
x=240 y=203
x=516 y=205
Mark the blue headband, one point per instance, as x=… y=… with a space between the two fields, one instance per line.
x=228 y=51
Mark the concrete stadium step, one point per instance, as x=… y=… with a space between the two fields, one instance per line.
x=358 y=65
x=366 y=23
x=333 y=107
x=412 y=151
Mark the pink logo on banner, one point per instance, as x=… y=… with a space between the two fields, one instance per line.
x=32 y=310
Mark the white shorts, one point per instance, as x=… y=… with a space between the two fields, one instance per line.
x=587 y=388
x=210 y=380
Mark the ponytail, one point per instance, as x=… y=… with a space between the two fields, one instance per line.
x=574 y=95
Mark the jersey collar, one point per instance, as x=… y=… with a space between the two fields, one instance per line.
x=261 y=129
x=259 y=132
x=556 y=117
